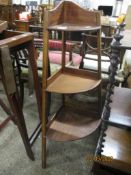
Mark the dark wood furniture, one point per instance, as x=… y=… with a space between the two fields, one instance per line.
x=22 y=25
x=114 y=141
x=69 y=17
x=3 y=26
x=12 y=42
x=89 y=56
x=10 y=12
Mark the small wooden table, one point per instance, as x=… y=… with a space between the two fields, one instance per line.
x=115 y=135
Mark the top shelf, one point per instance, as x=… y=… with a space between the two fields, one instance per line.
x=73 y=27
x=69 y=16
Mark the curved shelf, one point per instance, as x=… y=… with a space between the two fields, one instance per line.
x=69 y=125
x=68 y=82
x=73 y=27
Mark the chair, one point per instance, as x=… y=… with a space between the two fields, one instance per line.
x=89 y=58
x=11 y=43
x=3 y=26
x=54 y=58
x=55 y=49
x=8 y=80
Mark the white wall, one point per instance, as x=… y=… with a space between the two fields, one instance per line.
x=96 y=3
x=89 y=3
x=23 y=1
x=125 y=5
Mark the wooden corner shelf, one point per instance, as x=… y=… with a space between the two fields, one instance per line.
x=73 y=27
x=68 y=125
x=121 y=107
x=118 y=146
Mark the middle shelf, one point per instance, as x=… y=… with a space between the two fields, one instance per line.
x=70 y=80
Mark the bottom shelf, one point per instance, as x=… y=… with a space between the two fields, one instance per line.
x=69 y=125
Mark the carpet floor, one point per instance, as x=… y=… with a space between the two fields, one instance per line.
x=63 y=158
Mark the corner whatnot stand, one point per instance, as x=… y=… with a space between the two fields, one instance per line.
x=68 y=124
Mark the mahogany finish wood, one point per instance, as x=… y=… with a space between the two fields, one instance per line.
x=70 y=83
x=8 y=112
x=115 y=140
x=68 y=16
x=10 y=12
x=15 y=42
x=72 y=80
x=3 y=26
x=8 y=80
x=22 y=25
x=4 y=122
x=73 y=27
x=73 y=15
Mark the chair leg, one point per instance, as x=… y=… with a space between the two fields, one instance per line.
x=22 y=92
x=81 y=64
x=16 y=107
x=3 y=124
x=8 y=112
